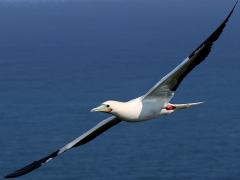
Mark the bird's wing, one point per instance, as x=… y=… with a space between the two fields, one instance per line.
x=84 y=138
x=166 y=87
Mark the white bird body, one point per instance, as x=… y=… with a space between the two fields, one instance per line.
x=155 y=103
x=133 y=110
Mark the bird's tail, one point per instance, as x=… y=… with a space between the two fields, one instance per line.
x=184 y=106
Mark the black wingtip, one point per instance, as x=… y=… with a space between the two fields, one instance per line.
x=29 y=168
x=25 y=170
x=7 y=177
x=230 y=14
x=233 y=8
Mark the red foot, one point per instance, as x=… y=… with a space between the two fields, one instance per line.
x=170 y=107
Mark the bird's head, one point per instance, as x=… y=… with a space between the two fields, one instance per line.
x=107 y=107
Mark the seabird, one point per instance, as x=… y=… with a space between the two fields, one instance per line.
x=155 y=103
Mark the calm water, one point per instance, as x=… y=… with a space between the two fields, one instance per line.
x=60 y=59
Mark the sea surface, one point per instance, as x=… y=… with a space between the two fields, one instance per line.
x=59 y=59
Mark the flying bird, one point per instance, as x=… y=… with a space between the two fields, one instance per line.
x=153 y=104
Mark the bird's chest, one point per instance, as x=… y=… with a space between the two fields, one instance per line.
x=131 y=114
x=130 y=111
x=144 y=111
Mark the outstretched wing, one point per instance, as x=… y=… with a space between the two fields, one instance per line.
x=166 y=87
x=84 y=138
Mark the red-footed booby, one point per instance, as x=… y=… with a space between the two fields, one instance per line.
x=155 y=103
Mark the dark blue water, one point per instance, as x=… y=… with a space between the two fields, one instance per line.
x=60 y=59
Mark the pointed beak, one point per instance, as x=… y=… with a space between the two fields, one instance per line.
x=101 y=108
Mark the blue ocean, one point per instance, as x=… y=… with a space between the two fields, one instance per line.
x=59 y=59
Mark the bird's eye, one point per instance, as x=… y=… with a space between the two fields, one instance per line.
x=107 y=105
